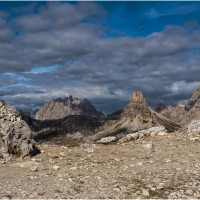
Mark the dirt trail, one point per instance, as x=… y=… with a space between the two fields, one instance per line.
x=151 y=167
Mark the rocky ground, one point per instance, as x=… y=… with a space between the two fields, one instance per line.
x=151 y=167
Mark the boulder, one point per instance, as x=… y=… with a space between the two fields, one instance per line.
x=194 y=126
x=107 y=140
x=15 y=135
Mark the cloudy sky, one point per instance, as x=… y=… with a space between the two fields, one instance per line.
x=98 y=50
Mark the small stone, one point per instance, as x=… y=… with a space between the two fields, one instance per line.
x=194 y=138
x=151 y=161
x=70 y=180
x=73 y=168
x=148 y=146
x=160 y=186
x=162 y=133
x=56 y=167
x=167 y=160
x=60 y=175
x=34 y=169
x=89 y=150
x=140 y=163
x=189 y=192
x=145 y=192
x=153 y=134
x=63 y=154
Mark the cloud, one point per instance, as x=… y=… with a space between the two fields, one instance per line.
x=180 y=87
x=63 y=49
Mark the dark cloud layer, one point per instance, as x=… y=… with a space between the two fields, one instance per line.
x=89 y=63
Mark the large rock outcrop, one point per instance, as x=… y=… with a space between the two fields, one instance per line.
x=15 y=135
x=60 y=108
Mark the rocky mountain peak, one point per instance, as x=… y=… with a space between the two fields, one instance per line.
x=62 y=107
x=138 y=107
x=137 y=99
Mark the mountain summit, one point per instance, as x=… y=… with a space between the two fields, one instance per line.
x=137 y=107
x=62 y=107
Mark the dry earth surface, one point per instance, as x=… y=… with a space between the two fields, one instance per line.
x=151 y=167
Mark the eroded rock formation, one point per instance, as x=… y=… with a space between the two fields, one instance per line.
x=192 y=107
x=60 y=108
x=15 y=135
x=174 y=113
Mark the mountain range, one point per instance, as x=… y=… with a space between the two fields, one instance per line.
x=73 y=119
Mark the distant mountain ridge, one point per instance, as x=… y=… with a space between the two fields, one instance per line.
x=185 y=111
x=136 y=116
x=175 y=113
x=192 y=107
x=62 y=107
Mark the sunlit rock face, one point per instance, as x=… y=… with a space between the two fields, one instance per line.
x=62 y=107
x=138 y=108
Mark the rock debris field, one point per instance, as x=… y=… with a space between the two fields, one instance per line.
x=164 y=166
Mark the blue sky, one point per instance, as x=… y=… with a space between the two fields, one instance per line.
x=98 y=50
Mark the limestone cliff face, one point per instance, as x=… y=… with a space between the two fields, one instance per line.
x=60 y=108
x=15 y=135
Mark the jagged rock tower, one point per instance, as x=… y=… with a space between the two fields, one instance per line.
x=142 y=116
x=138 y=108
x=136 y=116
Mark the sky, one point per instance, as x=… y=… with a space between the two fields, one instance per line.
x=102 y=51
